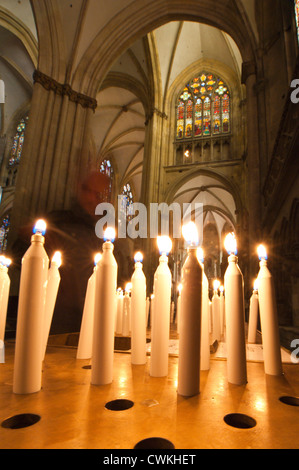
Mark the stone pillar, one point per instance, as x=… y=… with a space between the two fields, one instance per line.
x=253 y=161
x=151 y=186
x=52 y=156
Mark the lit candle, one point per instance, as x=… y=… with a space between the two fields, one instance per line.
x=216 y=311
x=268 y=317
x=84 y=350
x=119 y=311
x=190 y=323
x=104 y=313
x=126 y=323
x=161 y=311
x=205 y=313
x=4 y=293
x=253 y=313
x=222 y=309
x=138 y=312
x=235 y=316
x=51 y=295
x=30 y=317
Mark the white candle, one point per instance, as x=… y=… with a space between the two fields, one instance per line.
x=30 y=317
x=253 y=314
x=138 y=312
x=127 y=310
x=4 y=293
x=216 y=311
x=222 y=310
x=235 y=316
x=205 y=313
x=51 y=295
x=84 y=350
x=268 y=317
x=161 y=312
x=119 y=311
x=104 y=314
x=190 y=323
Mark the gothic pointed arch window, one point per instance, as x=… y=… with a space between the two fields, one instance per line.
x=107 y=169
x=17 y=143
x=296 y=6
x=4 y=229
x=203 y=112
x=127 y=201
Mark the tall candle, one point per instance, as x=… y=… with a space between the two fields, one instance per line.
x=27 y=374
x=161 y=312
x=119 y=311
x=216 y=311
x=235 y=316
x=222 y=309
x=205 y=312
x=104 y=314
x=4 y=293
x=51 y=295
x=268 y=317
x=253 y=314
x=84 y=350
x=138 y=312
x=190 y=323
x=126 y=322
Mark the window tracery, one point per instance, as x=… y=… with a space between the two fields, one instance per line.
x=203 y=116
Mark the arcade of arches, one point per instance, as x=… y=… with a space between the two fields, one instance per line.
x=191 y=103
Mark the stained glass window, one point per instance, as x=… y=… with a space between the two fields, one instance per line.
x=127 y=201
x=296 y=4
x=107 y=168
x=4 y=229
x=203 y=107
x=18 y=141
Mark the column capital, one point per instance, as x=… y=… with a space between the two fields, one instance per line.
x=248 y=68
x=64 y=89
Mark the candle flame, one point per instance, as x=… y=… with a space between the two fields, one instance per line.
x=230 y=243
x=5 y=261
x=57 y=258
x=216 y=284
x=256 y=284
x=262 y=252
x=138 y=257
x=40 y=227
x=190 y=233
x=221 y=288
x=180 y=286
x=164 y=244
x=97 y=258
x=128 y=287
x=109 y=234
x=200 y=254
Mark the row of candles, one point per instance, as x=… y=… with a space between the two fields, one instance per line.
x=104 y=304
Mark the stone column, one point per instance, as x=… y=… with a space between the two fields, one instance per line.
x=52 y=156
x=253 y=161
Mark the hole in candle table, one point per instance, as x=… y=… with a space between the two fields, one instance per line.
x=154 y=443
x=119 y=404
x=20 y=421
x=87 y=367
x=239 y=420
x=293 y=401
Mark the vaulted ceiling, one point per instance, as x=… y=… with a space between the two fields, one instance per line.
x=139 y=79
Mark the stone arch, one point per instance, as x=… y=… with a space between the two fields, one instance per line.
x=143 y=17
x=223 y=181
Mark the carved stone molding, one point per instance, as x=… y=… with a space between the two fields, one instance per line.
x=64 y=89
x=159 y=113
